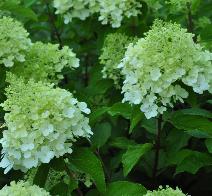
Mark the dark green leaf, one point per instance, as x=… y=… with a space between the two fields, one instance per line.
x=195 y=112
x=208 y=143
x=124 y=188
x=60 y=189
x=197 y=126
x=189 y=161
x=41 y=175
x=96 y=114
x=86 y=161
x=122 y=109
x=121 y=142
x=149 y=125
x=136 y=117
x=20 y=11
x=132 y=156
x=101 y=134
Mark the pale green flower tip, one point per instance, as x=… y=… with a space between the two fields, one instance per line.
x=22 y=188
x=154 y=65
x=14 y=42
x=167 y=191
x=40 y=119
x=112 y=52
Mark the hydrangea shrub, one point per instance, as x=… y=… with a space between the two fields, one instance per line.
x=143 y=68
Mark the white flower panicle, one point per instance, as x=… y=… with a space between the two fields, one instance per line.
x=22 y=188
x=14 y=42
x=110 y=11
x=42 y=123
x=167 y=191
x=45 y=62
x=112 y=52
x=156 y=65
x=75 y=9
x=113 y=11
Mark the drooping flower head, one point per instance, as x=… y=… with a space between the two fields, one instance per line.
x=168 y=191
x=114 y=11
x=42 y=123
x=156 y=65
x=44 y=62
x=112 y=52
x=14 y=42
x=75 y=9
x=22 y=188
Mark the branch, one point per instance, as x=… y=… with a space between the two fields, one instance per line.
x=72 y=175
x=157 y=148
x=190 y=23
x=55 y=31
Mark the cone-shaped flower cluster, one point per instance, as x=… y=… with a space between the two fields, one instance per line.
x=44 y=62
x=110 y=11
x=168 y=191
x=157 y=66
x=42 y=123
x=112 y=53
x=22 y=188
x=14 y=42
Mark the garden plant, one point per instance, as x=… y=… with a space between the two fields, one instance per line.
x=105 y=97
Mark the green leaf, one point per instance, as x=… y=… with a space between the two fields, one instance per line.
x=73 y=184
x=136 y=117
x=101 y=134
x=86 y=161
x=195 y=112
x=196 y=126
x=132 y=156
x=99 y=88
x=96 y=114
x=60 y=189
x=208 y=143
x=92 y=192
x=20 y=11
x=149 y=125
x=41 y=175
x=206 y=34
x=176 y=140
x=28 y=3
x=121 y=142
x=122 y=109
x=189 y=161
x=125 y=188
